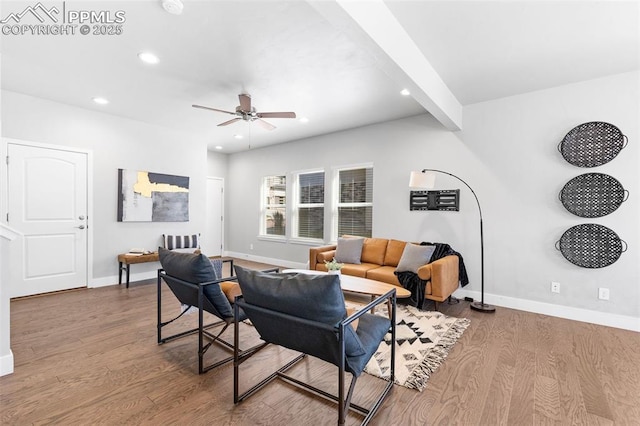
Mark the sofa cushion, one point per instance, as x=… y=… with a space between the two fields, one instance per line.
x=394 y=252
x=358 y=270
x=349 y=250
x=413 y=257
x=373 y=250
x=384 y=274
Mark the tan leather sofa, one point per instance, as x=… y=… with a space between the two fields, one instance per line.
x=379 y=260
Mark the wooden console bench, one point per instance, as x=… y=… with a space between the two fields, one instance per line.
x=125 y=261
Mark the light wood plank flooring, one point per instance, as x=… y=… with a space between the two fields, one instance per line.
x=90 y=357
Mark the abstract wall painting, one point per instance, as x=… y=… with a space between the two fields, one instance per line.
x=152 y=197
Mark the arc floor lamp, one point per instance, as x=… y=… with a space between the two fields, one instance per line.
x=426 y=180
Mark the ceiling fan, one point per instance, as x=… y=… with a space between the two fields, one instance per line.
x=246 y=112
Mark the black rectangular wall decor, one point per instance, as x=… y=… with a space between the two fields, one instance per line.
x=447 y=199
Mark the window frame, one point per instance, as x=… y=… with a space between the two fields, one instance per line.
x=335 y=196
x=295 y=207
x=264 y=206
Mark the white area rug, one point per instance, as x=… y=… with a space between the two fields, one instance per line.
x=423 y=341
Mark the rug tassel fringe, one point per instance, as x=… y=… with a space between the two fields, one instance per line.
x=436 y=356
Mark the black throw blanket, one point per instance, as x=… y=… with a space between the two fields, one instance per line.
x=443 y=250
x=412 y=282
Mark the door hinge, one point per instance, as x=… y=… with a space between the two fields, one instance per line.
x=7 y=217
x=7 y=159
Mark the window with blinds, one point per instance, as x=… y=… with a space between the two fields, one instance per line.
x=274 y=206
x=309 y=209
x=354 y=202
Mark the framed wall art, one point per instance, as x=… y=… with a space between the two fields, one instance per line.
x=152 y=197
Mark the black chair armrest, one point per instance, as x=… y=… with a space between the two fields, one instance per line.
x=391 y=294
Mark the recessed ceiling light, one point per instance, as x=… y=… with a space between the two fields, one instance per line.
x=218 y=147
x=148 y=58
x=405 y=92
x=101 y=101
x=237 y=136
x=174 y=7
x=304 y=120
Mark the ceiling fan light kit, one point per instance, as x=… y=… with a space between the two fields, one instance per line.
x=174 y=7
x=245 y=111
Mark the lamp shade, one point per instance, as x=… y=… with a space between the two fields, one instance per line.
x=422 y=180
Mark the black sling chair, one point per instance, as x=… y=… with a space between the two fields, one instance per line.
x=306 y=313
x=197 y=281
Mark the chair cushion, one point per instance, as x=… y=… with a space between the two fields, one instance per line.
x=349 y=250
x=313 y=297
x=413 y=257
x=196 y=269
x=181 y=241
x=371 y=331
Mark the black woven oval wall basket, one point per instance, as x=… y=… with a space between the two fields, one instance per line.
x=592 y=144
x=591 y=246
x=593 y=195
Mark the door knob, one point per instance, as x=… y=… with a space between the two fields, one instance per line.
x=80 y=227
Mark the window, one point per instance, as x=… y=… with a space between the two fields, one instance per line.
x=274 y=206
x=354 y=202
x=309 y=205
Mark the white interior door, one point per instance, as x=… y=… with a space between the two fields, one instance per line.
x=47 y=202
x=213 y=234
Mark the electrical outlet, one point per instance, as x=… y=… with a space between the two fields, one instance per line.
x=603 y=293
x=250 y=246
x=555 y=287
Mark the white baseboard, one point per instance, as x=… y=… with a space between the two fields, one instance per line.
x=560 y=311
x=113 y=280
x=268 y=260
x=6 y=364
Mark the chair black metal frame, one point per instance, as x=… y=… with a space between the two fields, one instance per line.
x=192 y=294
x=344 y=401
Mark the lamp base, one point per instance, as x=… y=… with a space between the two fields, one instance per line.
x=482 y=307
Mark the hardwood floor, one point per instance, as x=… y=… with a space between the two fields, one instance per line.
x=90 y=357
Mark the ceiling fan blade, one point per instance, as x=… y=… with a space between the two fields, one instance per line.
x=276 y=114
x=233 y=120
x=265 y=125
x=213 y=109
x=245 y=102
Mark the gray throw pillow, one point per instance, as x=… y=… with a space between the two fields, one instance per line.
x=413 y=257
x=349 y=250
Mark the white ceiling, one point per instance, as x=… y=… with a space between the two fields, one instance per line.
x=290 y=57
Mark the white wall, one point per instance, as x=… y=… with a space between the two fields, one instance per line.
x=507 y=153
x=116 y=143
x=517 y=138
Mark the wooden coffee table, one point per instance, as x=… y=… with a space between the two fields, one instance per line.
x=361 y=285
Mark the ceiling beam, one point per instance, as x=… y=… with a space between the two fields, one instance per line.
x=373 y=26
